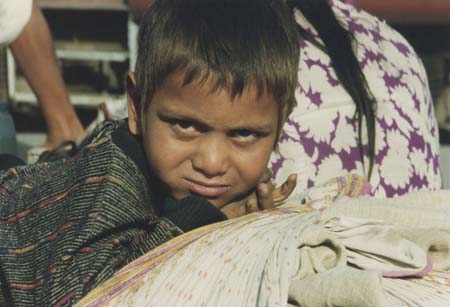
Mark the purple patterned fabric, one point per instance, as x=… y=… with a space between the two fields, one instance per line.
x=319 y=140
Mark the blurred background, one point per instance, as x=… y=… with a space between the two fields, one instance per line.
x=95 y=46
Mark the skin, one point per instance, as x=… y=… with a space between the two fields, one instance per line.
x=204 y=143
x=138 y=7
x=262 y=196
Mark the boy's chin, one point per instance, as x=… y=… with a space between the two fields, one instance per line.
x=218 y=202
x=232 y=202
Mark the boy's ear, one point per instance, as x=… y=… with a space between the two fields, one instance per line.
x=134 y=124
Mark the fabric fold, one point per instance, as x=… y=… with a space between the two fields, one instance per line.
x=342 y=286
x=376 y=245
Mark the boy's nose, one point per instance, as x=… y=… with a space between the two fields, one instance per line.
x=211 y=157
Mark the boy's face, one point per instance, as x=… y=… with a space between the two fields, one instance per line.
x=204 y=143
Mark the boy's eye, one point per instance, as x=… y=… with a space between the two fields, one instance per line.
x=245 y=135
x=183 y=126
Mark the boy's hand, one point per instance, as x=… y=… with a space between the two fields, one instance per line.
x=264 y=197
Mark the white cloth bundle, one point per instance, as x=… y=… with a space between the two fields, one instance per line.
x=264 y=258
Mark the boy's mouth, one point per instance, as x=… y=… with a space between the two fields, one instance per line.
x=207 y=190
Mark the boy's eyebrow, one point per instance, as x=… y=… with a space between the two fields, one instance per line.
x=167 y=114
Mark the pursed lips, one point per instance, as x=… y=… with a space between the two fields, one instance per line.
x=207 y=190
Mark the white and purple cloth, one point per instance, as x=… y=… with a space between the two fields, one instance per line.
x=319 y=141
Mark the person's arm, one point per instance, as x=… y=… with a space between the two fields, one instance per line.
x=408 y=11
x=34 y=53
x=138 y=7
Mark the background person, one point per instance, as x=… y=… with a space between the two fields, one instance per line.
x=24 y=27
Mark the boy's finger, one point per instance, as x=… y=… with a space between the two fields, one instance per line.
x=251 y=204
x=264 y=194
x=283 y=192
x=266 y=176
x=234 y=210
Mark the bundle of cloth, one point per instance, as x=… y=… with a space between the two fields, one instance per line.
x=330 y=246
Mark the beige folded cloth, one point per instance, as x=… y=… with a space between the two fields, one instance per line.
x=422 y=218
x=426 y=209
x=377 y=245
x=435 y=242
x=339 y=287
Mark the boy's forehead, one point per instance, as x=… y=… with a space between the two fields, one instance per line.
x=207 y=84
x=197 y=101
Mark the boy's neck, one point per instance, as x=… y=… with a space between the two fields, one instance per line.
x=133 y=148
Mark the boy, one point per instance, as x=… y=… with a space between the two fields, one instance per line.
x=214 y=83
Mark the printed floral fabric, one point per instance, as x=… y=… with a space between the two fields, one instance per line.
x=319 y=141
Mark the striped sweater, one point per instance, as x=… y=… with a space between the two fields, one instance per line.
x=68 y=225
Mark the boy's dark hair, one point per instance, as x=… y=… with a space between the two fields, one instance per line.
x=232 y=43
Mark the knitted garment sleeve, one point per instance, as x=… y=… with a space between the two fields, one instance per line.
x=68 y=225
x=191 y=212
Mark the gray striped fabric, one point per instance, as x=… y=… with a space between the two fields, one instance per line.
x=68 y=225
